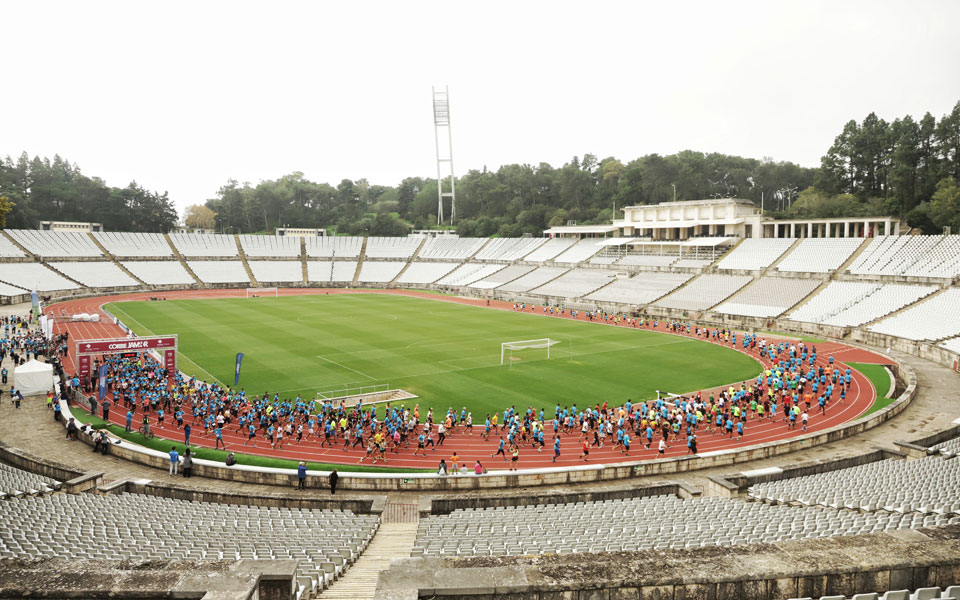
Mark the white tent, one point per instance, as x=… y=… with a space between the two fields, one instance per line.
x=33 y=377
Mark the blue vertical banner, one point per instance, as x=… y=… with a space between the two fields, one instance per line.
x=236 y=373
x=102 y=383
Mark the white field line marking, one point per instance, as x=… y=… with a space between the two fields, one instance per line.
x=346 y=367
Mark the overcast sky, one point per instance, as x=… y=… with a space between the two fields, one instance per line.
x=182 y=96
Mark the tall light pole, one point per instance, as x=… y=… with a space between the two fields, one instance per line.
x=441 y=118
x=674 y=191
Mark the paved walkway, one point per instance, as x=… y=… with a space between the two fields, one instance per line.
x=393 y=540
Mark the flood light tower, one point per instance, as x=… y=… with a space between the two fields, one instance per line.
x=441 y=119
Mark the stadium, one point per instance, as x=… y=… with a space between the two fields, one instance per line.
x=637 y=322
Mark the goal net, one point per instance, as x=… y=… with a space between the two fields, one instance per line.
x=261 y=292
x=507 y=349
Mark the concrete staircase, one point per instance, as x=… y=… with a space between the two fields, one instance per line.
x=392 y=540
x=360 y=259
x=413 y=257
x=303 y=260
x=243 y=261
x=114 y=259
x=182 y=260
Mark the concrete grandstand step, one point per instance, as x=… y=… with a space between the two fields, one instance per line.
x=409 y=262
x=392 y=540
x=243 y=260
x=846 y=265
x=808 y=297
x=739 y=291
x=183 y=262
x=303 y=260
x=114 y=259
x=360 y=259
x=773 y=266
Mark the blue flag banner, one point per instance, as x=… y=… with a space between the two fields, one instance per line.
x=236 y=373
x=102 y=383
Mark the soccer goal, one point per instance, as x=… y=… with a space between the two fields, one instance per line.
x=261 y=292
x=507 y=349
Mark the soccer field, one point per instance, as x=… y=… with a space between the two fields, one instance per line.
x=446 y=353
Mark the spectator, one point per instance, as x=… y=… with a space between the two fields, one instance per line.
x=333 y=481
x=187 y=463
x=174 y=461
x=231 y=460
x=302 y=476
x=71 y=430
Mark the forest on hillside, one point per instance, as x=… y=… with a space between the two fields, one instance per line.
x=907 y=168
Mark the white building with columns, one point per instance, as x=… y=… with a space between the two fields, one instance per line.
x=737 y=218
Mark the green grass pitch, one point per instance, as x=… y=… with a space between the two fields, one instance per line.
x=448 y=354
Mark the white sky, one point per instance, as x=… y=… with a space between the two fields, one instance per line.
x=182 y=96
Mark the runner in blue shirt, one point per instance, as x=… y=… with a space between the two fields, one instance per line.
x=556 y=447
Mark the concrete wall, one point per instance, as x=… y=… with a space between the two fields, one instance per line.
x=804 y=568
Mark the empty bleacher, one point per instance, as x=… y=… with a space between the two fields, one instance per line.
x=338 y=271
x=392 y=247
x=8 y=249
x=55 y=244
x=916 y=256
x=14 y=482
x=134 y=244
x=203 y=245
x=576 y=283
x=579 y=252
x=279 y=271
x=159 y=272
x=949 y=447
x=505 y=275
x=643 y=524
x=936 y=318
x=444 y=248
x=928 y=593
x=270 y=246
x=374 y=271
x=468 y=273
x=550 y=250
x=143 y=528
x=952 y=344
x=754 y=254
x=95 y=274
x=704 y=291
x=693 y=263
x=333 y=246
x=852 y=303
x=425 y=272
x=34 y=276
x=508 y=249
x=927 y=486
x=768 y=297
x=820 y=255
x=648 y=260
x=11 y=290
x=533 y=279
x=640 y=289
x=220 y=271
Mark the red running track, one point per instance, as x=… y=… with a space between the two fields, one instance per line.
x=469 y=448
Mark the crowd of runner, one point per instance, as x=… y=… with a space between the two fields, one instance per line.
x=792 y=386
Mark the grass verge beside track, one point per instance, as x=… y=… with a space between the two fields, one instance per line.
x=878 y=376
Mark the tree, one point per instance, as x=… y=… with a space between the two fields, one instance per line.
x=5 y=207
x=199 y=217
x=945 y=205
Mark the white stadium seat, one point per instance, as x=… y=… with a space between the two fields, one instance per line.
x=425 y=272
x=508 y=249
x=204 y=245
x=820 y=255
x=270 y=246
x=159 y=272
x=936 y=318
x=768 y=296
x=122 y=244
x=220 y=271
x=333 y=246
x=34 y=276
x=95 y=274
x=754 y=254
x=56 y=244
x=276 y=271
x=704 y=292
x=640 y=289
